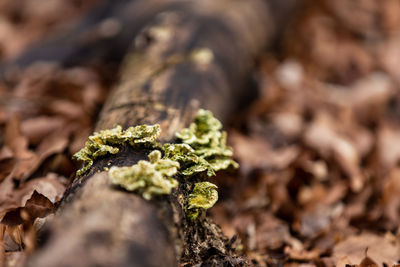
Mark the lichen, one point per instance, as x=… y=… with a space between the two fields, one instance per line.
x=200 y=151
x=208 y=143
x=203 y=196
x=107 y=142
x=149 y=178
x=186 y=156
x=202 y=56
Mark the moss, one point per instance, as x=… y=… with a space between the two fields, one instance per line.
x=203 y=196
x=107 y=142
x=148 y=178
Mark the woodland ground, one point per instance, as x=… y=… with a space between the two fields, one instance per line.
x=319 y=149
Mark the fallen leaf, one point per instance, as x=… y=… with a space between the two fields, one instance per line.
x=322 y=136
x=380 y=249
x=37 y=128
x=388 y=148
x=255 y=153
x=49 y=186
x=302 y=255
x=391 y=196
x=37 y=206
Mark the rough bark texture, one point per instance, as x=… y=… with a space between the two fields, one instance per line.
x=196 y=54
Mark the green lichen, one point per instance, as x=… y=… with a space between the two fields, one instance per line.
x=208 y=143
x=203 y=196
x=200 y=151
x=204 y=128
x=186 y=156
x=148 y=178
x=107 y=142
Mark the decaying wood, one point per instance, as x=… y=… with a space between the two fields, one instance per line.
x=196 y=54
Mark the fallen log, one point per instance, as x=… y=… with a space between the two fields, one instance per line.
x=194 y=55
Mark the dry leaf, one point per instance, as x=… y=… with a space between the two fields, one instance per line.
x=321 y=136
x=387 y=145
x=37 y=206
x=37 y=128
x=254 y=153
x=380 y=249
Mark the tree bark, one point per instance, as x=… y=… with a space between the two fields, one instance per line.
x=193 y=54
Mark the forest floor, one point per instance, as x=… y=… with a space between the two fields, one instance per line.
x=319 y=149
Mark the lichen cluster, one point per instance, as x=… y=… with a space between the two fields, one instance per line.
x=200 y=151
x=148 y=178
x=209 y=151
x=107 y=141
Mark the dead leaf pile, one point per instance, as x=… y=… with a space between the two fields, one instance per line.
x=319 y=183
x=320 y=149
x=46 y=116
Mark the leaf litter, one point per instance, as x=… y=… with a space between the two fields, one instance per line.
x=319 y=150
x=331 y=99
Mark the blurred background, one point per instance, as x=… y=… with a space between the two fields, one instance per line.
x=319 y=148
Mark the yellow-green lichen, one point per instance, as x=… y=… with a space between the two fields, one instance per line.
x=186 y=156
x=203 y=196
x=208 y=143
x=200 y=150
x=107 y=141
x=148 y=178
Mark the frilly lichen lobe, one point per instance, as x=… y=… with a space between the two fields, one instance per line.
x=107 y=142
x=208 y=143
x=203 y=196
x=186 y=156
x=148 y=178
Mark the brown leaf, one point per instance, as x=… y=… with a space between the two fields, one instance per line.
x=302 y=255
x=388 y=53
x=272 y=233
x=357 y=16
x=380 y=249
x=322 y=136
x=25 y=159
x=317 y=220
x=391 y=196
x=6 y=167
x=15 y=140
x=66 y=109
x=368 y=262
x=365 y=97
x=13 y=237
x=38 y=206
x=49 y=186
x=53 y=144
x=37 y=128
x=6 y=153
x=388 y=145
x=255 y=153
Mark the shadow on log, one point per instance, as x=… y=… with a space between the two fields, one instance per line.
x=190 y=55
